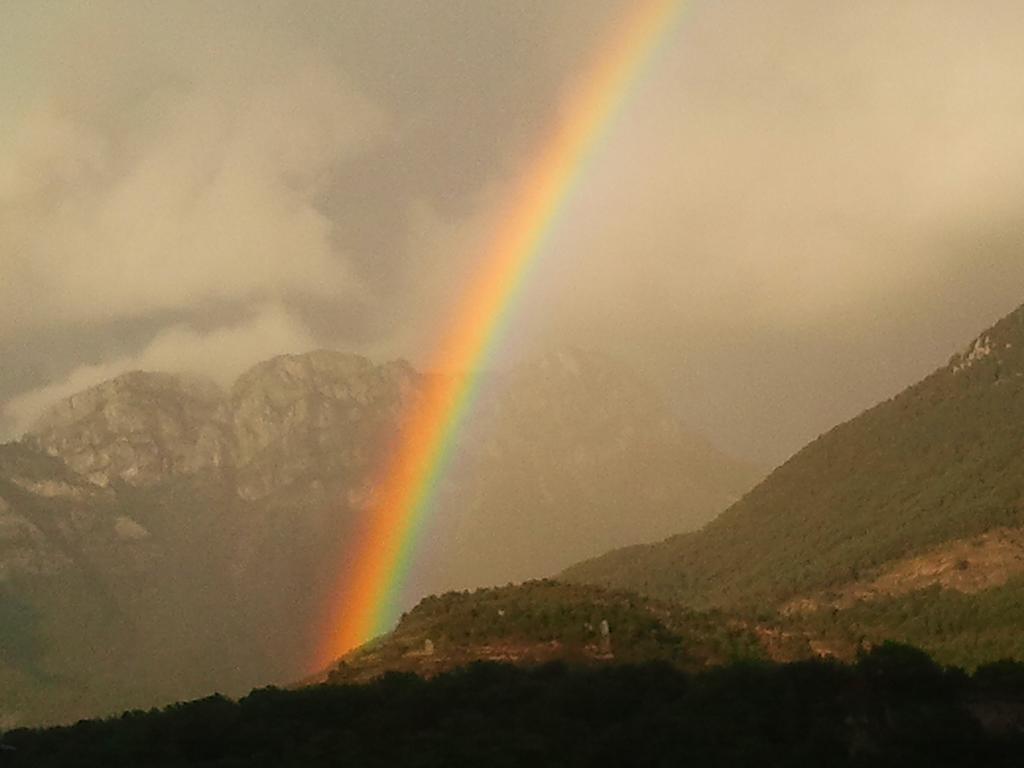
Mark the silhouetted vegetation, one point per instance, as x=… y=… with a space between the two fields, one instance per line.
x=893 y=707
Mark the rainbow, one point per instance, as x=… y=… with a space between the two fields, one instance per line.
x=367 y=593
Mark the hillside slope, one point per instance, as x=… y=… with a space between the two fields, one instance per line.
x=541 y=621
x=941 y=462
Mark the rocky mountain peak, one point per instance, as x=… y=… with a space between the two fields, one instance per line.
x=998 y=351
x=300 y=421
x=295 y=414
x=282 y=419
x=279 y=376
x=137 y=427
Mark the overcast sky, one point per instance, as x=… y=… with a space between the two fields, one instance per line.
x=806 y=205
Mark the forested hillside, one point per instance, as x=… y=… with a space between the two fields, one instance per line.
x=541 y=621
x=943 y=460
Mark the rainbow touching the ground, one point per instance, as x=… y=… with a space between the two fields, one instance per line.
x=365 y=600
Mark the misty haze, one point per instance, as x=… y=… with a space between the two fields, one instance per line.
x=366 y=363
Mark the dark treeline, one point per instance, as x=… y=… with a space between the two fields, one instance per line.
x=893 y=707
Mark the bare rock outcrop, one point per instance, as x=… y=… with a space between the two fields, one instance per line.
x=311 y=416
x=290 y=417
x=138 y=428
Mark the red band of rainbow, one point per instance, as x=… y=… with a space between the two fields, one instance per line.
x=366 y=595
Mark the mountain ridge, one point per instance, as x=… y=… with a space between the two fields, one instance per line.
x=941 y=462
x=206 y=527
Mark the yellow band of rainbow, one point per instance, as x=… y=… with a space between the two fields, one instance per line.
x=366 y=595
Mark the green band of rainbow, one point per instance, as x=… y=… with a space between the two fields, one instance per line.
x=366 y=596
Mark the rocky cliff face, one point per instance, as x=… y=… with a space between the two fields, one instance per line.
x=296 y=423
x=51 y=519
x=138 y=428
x=311 y=416
x=288 y=418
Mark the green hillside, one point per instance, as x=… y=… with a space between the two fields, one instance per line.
x=944 y=460
x=541 y=621
x=955 y=628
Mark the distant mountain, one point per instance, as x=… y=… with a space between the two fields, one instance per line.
x=565 y=455
x=905 y=521
x=161 y=538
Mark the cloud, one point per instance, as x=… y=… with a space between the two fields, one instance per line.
x=811 y=196
x=785 y=166
x=803 y=197
x=190 y=179
x=220 y=354
x=802 y=172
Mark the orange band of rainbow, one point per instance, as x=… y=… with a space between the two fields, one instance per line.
x=366 y=595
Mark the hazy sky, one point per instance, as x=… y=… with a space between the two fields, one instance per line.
x=806 y=206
